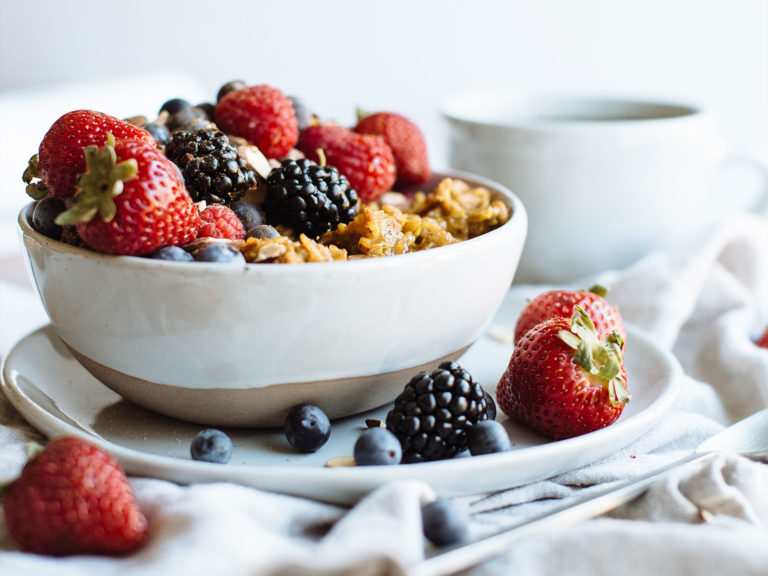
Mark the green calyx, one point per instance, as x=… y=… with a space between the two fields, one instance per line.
x=599 y=289
x=600 y=359
x=98 y=185
x=31 y=177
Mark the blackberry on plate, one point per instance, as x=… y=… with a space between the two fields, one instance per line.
x=434 y=412
x=309 y=198
x=213 y=170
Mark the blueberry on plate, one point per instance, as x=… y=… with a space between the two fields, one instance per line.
x=307 y=428
x=377 y=447
x=488 y=437
x=230 y=86
x=211 y=445
x=44 y=216
x=172 y=253
x=444 y=522
x=159 y=132
x=220 y=253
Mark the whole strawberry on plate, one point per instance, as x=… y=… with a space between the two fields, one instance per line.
x=60 y=158
x=130 y=200
x=365 y=160
x=562 y=380
x=73 y=498
x=562 y=303
x=406 y=141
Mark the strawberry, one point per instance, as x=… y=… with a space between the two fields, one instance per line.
x=131 y=200
x=220 y=221
x=73 y=498
x=365 y=160
x=562 y=303
x=60 y=156
x=562 y=381
x=262 y=115
x=407 y=142
x=763 y=340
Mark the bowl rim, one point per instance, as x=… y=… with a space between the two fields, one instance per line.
x=518 y=218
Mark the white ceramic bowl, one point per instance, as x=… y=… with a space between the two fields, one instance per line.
x=240 y=345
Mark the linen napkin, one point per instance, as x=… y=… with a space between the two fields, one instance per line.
x=705 y=300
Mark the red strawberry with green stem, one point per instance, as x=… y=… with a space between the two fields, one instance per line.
x=562 y=303
x=60 y=158
x=262 y=115
x=562 y=381
x=406 y=140
x=131 y=200
x=73 y=497
x=366 y=161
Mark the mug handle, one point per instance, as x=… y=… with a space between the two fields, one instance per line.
x=757 y=159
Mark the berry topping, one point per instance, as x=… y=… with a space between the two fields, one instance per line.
x=219 y=221
x=213 y=170
x=211 y=445
x=60 y=157
x=406 y=141
x=262 y=115
x=262 y=231
x=366 y=161
x=131 y=201
x=488 y=437
x=220 y=253
x=307 y=428
x=159 y=132
x=249 y=214
x=308 y=198
x=434 y=412
x=444 y=522
x=175 y=105
x=230 y=86
x=377 y=447
x=172 y=253
x=73 y=498
x=44 y=216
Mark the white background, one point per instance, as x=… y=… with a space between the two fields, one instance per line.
x=401 y=55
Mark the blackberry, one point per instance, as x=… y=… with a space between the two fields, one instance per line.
x=432 y=415
x=309 y=198
x=213 y=170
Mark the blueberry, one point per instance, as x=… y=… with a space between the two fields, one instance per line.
x=159 y=132
x=490 y=404
x=209 y=109
x=220 y=253
x=303 y=115
x=187 y=118
x=262 y=231
x=444 y=522
x=488 y=437
x=174 y=105
x=248 y=213
x=44 y=216
x=377 y=447
x=307 y=428
x=211 y=445
x=229 y=87
x=173 y=253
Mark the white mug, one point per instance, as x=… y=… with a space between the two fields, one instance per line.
x=604 y=181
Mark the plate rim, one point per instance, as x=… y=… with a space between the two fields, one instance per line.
x=357 y=481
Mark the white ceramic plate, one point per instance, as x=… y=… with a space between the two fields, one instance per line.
x=57 y=396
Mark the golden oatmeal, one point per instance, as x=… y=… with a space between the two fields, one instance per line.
x=453 y=212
